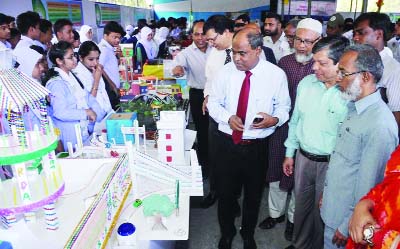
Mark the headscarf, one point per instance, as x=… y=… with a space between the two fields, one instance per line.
x=28 y=61
x=149 y=46
x=129 y=30
x=162 y=35
x=83 y=31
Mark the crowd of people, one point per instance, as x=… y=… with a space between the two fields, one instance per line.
x=313 y=114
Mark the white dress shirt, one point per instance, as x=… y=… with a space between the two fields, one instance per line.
x=23 y=43
x=193 y=60
x=268 y=93
x=394 y=45
x=391 y=80
x=280 y=47
x=215 y=61
x=109 y=61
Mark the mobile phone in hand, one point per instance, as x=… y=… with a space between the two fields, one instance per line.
x=257 y=119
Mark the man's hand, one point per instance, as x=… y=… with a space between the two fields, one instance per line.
x=118 y=51
x=360 y=219
x=178 y=71
x=91 y=115
x=339 y=239
x=204 y=107
x=236 y=123
x=288 y=165
x=267 y=121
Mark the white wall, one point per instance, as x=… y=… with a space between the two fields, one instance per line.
x=15 y=7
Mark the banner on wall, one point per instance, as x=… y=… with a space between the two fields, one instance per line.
x=58 y=9
x=318 y=7
x=106 y=13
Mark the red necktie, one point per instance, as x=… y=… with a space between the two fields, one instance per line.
x=242 y=106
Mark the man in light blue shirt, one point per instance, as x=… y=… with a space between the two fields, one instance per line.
x=318 y=112
x=364 y=143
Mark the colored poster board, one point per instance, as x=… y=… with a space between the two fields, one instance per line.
x=106 y=13
x=54 y=10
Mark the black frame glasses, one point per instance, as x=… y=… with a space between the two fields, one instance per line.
x=305 y=42
x=344 y=75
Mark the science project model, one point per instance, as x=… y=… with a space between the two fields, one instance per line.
x=33 y=179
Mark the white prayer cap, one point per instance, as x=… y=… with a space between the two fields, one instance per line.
x=311 y=24
x=28 y=61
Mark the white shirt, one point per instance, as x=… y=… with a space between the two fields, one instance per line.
x=109 y=61
x=215 y=61
x=193 y=60
x=391 y=80
x=86 y=77
x=3 y=46
x=280 y=47
x=268 y=93
x=23 y=43
x=394 y=45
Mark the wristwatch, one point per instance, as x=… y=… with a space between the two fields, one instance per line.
x=369 y=234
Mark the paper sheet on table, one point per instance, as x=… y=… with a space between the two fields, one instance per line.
x=190 y=136
x=20 y=236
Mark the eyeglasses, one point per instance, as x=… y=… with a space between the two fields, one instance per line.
x=72 y=57
x=213 y=39
x=341 y=74
x=305 y=42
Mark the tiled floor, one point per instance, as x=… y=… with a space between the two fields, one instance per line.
x=204 y=229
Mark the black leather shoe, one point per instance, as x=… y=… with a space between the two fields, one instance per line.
x=290 y=247
x=249 y=243
x=237 y=210
x=225 y=242
x=289 y=231
x=209 y=200
x=269 y=222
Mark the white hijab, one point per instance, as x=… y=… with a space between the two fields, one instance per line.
x=162 y=35
x=83 y=31
x=86 y=77
x=129 y=31
x=149 y=46
x=28 y=61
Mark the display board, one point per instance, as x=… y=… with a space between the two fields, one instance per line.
x=57 y=9
x=106 y=13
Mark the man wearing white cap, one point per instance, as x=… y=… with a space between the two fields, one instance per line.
x=317 y=113
x=296 y=66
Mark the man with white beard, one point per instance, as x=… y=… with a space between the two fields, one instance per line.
x=296 y=66
x=364 y=142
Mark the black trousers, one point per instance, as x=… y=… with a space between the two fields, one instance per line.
x=196 y=98
x=239 y=165
x=213 y=138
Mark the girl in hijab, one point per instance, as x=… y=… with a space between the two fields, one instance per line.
x=86 y=33
x=32 y=64
x=162 y=41
x=90 y=72
x=70 y=103
x=146 y=47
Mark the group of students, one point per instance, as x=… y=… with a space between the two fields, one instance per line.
x=82 y=90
